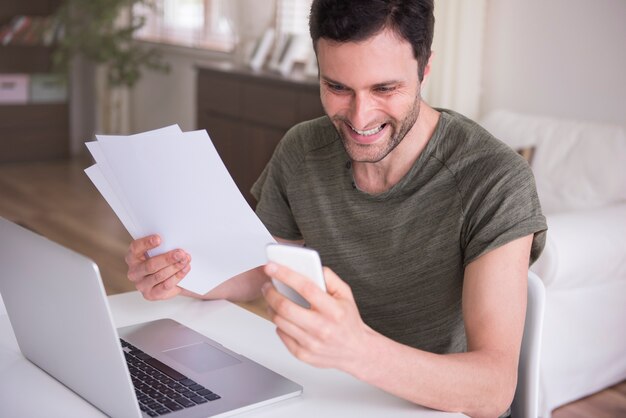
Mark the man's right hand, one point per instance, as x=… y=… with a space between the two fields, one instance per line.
x=156 y=277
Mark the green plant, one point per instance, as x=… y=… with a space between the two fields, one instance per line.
x=96 y=31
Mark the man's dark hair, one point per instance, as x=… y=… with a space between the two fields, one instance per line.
x=357 y=20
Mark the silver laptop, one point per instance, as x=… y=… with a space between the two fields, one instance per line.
x=60 y=315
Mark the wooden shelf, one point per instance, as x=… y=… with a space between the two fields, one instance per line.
x=25 y=59
x=31 y=132
x=10 y=8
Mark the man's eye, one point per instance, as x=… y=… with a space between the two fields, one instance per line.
x=384 y=89
x=336 y=87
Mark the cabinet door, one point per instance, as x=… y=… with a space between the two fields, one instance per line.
x=269 y=104
x=257 y=146
x=225 y=134
x=244 y=148
x=219 y=94
x=33 y=132
x=309 y=105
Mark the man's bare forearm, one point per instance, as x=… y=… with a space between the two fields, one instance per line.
x=475 y=383
x=241 y=288
x=480 y=382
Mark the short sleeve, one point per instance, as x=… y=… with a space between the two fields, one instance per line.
x=500 y=206
x=270 y=191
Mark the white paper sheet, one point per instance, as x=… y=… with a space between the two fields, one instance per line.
x=113 y=186
x=103 y=186
x=176 y=185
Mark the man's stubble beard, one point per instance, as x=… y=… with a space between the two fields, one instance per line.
x=398 y=133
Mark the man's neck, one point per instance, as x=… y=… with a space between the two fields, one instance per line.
x=376 y=178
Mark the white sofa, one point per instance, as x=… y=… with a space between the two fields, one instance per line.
x=580 y=172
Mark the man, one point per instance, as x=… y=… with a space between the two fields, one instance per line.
x=426 y=222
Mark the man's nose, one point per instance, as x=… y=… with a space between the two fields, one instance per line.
x=361 y=111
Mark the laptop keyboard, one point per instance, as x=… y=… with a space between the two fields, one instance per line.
x=160 y=389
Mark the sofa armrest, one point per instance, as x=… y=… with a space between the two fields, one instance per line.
x=584 y=248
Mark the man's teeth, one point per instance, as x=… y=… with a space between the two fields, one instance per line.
x=368 y=132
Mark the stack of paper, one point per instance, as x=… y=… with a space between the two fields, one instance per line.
x=174 y=183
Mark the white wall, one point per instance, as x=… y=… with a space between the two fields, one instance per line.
x=160 y=99
x=163 y=99
x=564 y=58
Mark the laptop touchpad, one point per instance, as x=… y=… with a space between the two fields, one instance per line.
x=202 y=357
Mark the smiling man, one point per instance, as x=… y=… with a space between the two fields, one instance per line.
x=426 y=223
x=371 y=93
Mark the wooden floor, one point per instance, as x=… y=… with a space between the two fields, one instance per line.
x=57 y=200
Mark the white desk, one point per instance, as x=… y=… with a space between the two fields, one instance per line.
x=24 y=388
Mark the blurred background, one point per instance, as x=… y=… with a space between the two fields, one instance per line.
x=244 y=71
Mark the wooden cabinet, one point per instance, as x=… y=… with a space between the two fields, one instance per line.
x=31 y=131
x=247 y=113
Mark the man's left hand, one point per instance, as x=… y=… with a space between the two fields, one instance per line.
x=329 y=334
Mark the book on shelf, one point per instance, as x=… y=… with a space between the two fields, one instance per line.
x=30 y=30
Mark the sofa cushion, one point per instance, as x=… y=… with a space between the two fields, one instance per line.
x=584 y=248
x=577 y=165
x=527 y=153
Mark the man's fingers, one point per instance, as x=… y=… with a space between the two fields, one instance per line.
x=283 y=306
x=336 y=286
x=161 y=293
x=304 y=338
x=161 y=276
x=156 y=277
x=157 y=263
x=303 y=285
x=176 y=260
x=139 y=247
x=166 y=276
x=294 y=348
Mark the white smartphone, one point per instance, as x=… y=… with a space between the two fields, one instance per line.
x=304 y=261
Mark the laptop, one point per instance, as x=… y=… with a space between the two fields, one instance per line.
x=59 y=312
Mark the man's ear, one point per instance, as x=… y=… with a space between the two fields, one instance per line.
x=427 y=68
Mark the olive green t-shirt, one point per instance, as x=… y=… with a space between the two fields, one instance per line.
x=404 y=251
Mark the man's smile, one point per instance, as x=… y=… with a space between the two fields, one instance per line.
x=367 y=136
